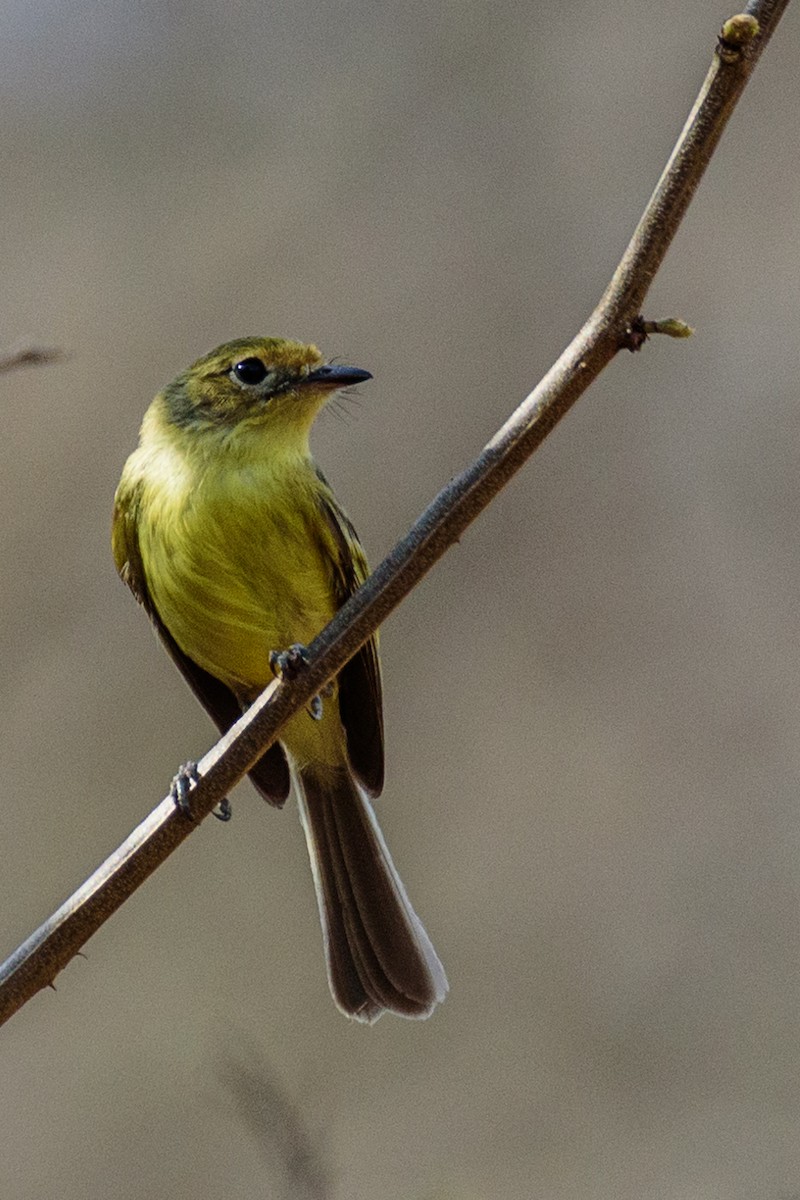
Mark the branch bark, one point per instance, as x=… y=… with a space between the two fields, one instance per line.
x=613 y=325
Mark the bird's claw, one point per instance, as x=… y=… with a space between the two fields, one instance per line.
x=223 y=811
x=287 y=665
x=181 y=788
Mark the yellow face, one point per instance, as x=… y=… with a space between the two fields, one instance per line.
x=254 y=380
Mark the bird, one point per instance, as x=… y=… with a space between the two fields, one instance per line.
x=231 y=539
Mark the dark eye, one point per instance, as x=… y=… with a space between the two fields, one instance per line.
x=250 y=371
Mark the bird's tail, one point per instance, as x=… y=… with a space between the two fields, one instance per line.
x=379 y=956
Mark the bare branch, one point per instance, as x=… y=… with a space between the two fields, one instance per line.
x=35 y=964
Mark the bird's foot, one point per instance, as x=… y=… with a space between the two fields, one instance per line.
x=288 y=664
x=181 y=787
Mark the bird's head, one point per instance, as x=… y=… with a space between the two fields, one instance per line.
x=270 y=386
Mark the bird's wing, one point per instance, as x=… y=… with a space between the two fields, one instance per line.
x=270 y=775
x=360 y=693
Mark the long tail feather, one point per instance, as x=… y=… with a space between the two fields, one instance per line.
x=378 y=954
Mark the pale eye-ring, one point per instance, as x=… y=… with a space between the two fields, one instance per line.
x=250 y=372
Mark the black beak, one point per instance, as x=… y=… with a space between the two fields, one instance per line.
x=336 y=377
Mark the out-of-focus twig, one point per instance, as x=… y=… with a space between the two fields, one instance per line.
x=612 y=326
x=278 y=1125
x=30 y=356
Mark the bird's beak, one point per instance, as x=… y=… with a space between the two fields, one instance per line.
x=329 y=376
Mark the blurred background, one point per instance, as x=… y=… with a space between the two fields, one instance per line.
x=592 y=703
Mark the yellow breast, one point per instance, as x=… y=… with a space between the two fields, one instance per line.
x=235 y=560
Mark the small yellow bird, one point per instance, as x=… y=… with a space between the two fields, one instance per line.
x=230 y=537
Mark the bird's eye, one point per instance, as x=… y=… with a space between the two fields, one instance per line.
x=250 y=371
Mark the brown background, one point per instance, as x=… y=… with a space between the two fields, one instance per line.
x=592 y=704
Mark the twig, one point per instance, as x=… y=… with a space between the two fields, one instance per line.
x=30 y=356
x=278 y=1125
x=612 y=326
